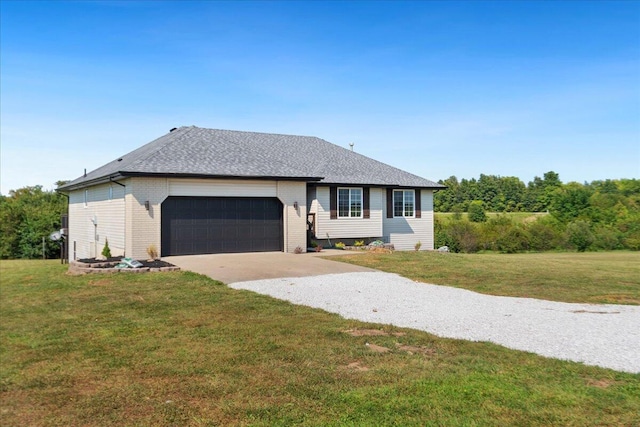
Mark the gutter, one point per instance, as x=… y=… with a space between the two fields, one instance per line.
x=121 y=174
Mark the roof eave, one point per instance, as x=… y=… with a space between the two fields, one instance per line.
x=124 y=174
x=364 y=184
x=90 y=182
x=221 y=176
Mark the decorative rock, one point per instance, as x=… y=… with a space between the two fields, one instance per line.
x=76 y=268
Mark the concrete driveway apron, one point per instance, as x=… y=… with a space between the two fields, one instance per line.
x=231 y=268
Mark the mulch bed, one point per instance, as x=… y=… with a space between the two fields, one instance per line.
x=110 y=262
x=104 y=266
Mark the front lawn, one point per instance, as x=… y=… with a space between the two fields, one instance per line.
x=180 y=349
x=592 y=277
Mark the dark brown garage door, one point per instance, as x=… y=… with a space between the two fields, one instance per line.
x=210 y=225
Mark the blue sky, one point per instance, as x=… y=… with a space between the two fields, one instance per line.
x=435 y=88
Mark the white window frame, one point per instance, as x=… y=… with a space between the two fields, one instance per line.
x=350 y=202
x=404 y=203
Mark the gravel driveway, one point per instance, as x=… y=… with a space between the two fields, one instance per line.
x=602 y=335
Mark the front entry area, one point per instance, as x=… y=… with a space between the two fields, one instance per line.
x=212 y=225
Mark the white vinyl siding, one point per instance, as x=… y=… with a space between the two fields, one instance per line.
x=346 y=228
x=405 y=232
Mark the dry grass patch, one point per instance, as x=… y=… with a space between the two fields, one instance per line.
x=372 y=333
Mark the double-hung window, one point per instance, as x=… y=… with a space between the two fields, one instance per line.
x=404 y=203
x=349 y=202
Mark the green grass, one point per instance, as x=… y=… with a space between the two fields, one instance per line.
x=517 y=217
x=592 y=277
x=181 y=349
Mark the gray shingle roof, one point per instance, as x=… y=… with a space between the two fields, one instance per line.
x=193 y=151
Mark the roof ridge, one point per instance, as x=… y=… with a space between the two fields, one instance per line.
x=258 y=133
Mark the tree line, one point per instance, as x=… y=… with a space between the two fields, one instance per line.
x=26 y=216
x=602 y=214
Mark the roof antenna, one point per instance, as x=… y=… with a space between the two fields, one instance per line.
x=351 y=145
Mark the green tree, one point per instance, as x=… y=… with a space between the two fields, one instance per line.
x=571 y=202
x=26 y=216
x=476 y=211
x=540 y=192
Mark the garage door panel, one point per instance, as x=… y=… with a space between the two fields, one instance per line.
x=193 y=225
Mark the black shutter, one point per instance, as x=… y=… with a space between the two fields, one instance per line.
x=389 y=203
x=366 y=211
x=333 y=202
x=418 y=207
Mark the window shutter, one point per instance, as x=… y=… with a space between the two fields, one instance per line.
x=333 y=202
x=366 y=211
x=418 y=207
x=389 y=203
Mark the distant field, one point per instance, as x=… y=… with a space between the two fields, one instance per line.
x=592 y=277
x=179 y=349
x=518 y=217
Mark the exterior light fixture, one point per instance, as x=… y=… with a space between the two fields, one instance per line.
x=146 y=205
x=295 y=205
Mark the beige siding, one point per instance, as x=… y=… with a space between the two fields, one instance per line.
x=404 y=233
x=222 y=188
x=347 y=228
x=143 y=226
x=295 y=220
x=109 y=214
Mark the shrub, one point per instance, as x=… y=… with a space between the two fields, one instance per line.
x=152 y=251
x=543 y=236
x=318 y=248
x=340 y=245
x=491 y=231
x=417 y=246
x=359 y=243
x=579 y=235
x=459 y=236
x=476 y=212
x=516 y=239
x=607 y=238
x=106 y=251
x=297 y=250
x=632 y=241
